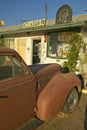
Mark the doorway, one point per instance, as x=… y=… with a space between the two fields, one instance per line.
x=36 y=51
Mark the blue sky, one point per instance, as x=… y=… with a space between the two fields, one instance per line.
x=13 y=12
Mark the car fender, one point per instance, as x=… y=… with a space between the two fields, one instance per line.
x=52 y=99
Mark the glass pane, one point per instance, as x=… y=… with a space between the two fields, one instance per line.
x=58 y=44
x=5 y=67
x=53 y=44
x=19 y=67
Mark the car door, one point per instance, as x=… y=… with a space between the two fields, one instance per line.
x=17 y=93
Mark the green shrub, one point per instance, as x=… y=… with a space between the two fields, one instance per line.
x=75 y=43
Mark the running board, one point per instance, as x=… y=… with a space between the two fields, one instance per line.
x=31 y=124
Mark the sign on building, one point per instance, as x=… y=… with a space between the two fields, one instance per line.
x=64 y=14
x=34 y=23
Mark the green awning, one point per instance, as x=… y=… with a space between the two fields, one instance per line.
x=45 y=28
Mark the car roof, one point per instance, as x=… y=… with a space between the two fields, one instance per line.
x=6 y=50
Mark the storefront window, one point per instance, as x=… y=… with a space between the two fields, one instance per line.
x=58 y=44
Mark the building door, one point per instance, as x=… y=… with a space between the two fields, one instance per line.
x=21 y=48
x=36 y=51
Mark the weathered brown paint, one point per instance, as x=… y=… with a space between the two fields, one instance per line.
x=52 y=98
x=42 y=95
x=19 y=105
x=19 y=100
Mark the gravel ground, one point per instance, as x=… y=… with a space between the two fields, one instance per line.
x=74 y=121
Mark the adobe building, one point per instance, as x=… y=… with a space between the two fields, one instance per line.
x=43 y=41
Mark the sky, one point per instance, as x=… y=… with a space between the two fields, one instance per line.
x=14 y=12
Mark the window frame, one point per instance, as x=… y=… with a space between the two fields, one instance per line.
x=63 y=43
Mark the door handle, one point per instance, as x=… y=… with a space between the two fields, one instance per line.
x=4 y=96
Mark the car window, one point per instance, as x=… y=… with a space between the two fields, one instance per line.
x=11 y=66
x=5 y=67
x=19 y=67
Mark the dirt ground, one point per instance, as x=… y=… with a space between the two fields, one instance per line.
x=74 y=121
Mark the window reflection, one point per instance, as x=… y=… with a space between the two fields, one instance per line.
x=58 y=44
x=11 y=66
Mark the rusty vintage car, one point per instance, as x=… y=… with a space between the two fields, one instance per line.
x=33 y=93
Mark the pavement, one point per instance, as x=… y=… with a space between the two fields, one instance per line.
x=74 y=121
